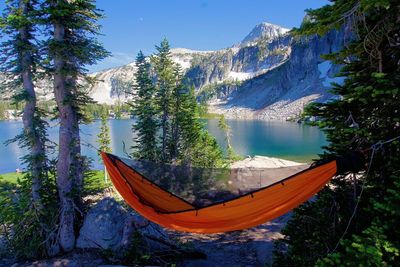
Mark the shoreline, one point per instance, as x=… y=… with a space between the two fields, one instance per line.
x=203 y=117
x=256 y=161
x=265 y=162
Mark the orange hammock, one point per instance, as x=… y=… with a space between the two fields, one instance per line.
x=251 y=209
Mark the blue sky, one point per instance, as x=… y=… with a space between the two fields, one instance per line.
x=131 y=25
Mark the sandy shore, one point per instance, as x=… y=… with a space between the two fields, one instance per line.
x=258 y=171
x=264 y=162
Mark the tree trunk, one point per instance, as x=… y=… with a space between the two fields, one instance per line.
x=164 y=131
x=77 y=159
x=380 y=61
x=105 y=174
x=67 y=145
x=173 y=142
x=36 y=145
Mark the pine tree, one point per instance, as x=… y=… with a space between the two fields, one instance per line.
x=20 y=60
x=19 y=63
x=165 y=83
x=71 y=48
x=144 y=109
x=198 y=147
x=104 y=139
x=177 y=114
x=230 y=152
x=167 y=122
x=325 y=232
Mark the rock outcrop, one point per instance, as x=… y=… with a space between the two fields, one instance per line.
x=108 y=225
x=282 y=92
x=270 y=75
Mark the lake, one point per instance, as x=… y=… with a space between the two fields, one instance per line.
x=286 y=140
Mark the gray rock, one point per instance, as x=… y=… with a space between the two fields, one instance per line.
x=103 y=226
x=7 y=258
x=74 y=259
x=3 y=244
x=110 y=226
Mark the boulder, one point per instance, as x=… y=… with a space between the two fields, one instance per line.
x=108 y=225
x=6 y=256
x=3 y=244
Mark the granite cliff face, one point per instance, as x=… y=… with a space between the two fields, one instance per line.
x=269 y=75
x=264 y=30
x=283 y=90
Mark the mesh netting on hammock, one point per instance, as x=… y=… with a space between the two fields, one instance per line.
x=134 y=180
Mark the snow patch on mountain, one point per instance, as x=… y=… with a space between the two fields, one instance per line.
x=184 y=56
x=102 y=94
x=325 y=69
x=181 y=50
x=264 y=30
x=240 y=76
x=183 y=60
x=111 y=84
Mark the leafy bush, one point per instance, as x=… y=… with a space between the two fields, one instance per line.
x=29 y=229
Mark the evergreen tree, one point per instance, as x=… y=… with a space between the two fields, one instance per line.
x=167 y=121
x=353 y=221
x=198 y=147
x=144 y=109
x=183 y=138
x=104 y=139
x=177 y=115
x=165 y=84
x=230 y=152
x=187 y=126
x=73 y=45
x=206 y=152
x=19 y=62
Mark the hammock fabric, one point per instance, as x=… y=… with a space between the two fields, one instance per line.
x=245 y=211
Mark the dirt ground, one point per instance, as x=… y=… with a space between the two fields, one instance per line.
x=251 y=247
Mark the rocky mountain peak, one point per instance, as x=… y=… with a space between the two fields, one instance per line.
x=264 y=30
x=269 y=75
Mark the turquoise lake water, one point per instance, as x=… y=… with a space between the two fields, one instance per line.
x=286 y=140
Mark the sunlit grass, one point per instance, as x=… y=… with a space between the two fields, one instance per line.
x=94 y=182
x=11 y=177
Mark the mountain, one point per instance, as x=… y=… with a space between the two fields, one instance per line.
x=269 y=75
x=289 y=76
x=264 y=30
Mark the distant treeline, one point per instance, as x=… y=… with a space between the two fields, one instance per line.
x=93 y=111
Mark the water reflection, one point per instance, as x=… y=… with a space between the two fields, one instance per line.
x=277 y=139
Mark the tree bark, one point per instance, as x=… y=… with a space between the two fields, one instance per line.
x=77 y=159
x=164 y=131
x=36 y=144
x=380 y=61
x=68 y=139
